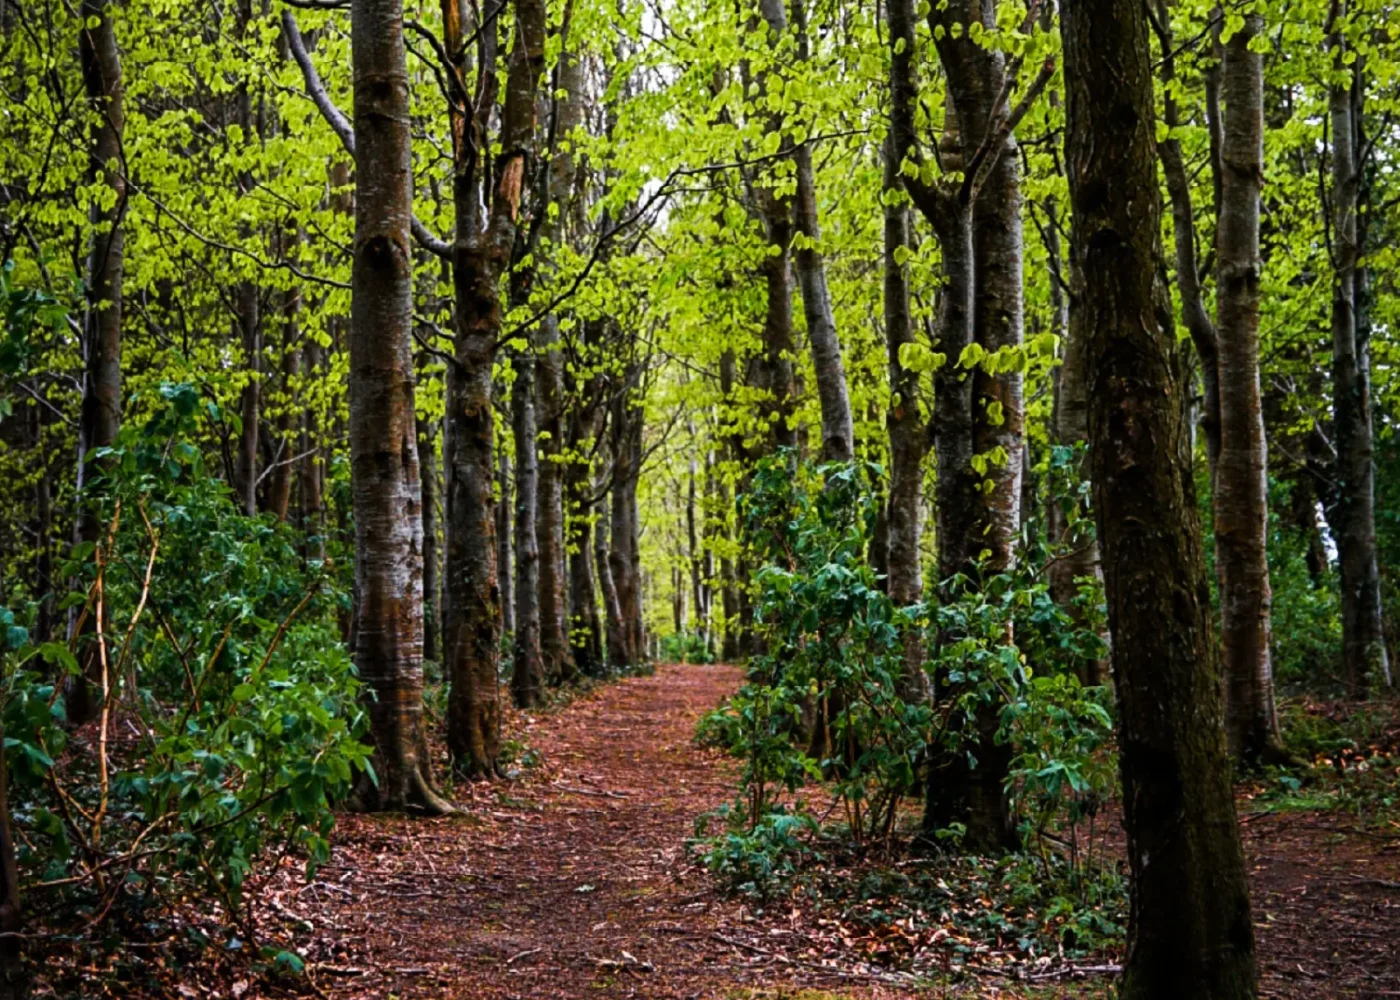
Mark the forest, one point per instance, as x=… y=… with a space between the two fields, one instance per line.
x=798 y=499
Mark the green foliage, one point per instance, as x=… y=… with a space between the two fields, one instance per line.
x=823 y=700
x=687 y=647
x=237 y=701
x=755 y=858
x=833 y=655
x=1349 y=761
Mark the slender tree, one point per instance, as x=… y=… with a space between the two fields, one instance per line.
x=1364 y=656
x=1190 y=932
x=528 y=667
x=100 y=415
x=1241 y=480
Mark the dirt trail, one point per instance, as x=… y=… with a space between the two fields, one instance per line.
x=569 y=883
x=572 y=882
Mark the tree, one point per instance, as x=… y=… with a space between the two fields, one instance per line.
x=978 y=412
x=1190 y=927
x=1228 y=350
x=102 y=323
x=1365 y=659
x=383 y=433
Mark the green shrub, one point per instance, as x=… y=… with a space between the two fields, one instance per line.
x=233 y=718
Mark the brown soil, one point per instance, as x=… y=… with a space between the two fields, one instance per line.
x=573 y=881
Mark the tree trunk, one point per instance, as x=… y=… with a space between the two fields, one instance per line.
x=734 y=623
x=1071 y=430
x=838 y=434
x=528 y=676
x=248 y=309
x=100 y=414
x=618 y=655
x=623 y=557
x=505 y=558
x=1241 y=487
x=554 y=608
x=480 y=254
x=1365 y=660
x=279 y=486
x=968 y=788
x=383 y=452
x=432 y=579
x=313 y=468
x=692 y=551
x=774 y=210
x=1190 y=929
x=904 y=424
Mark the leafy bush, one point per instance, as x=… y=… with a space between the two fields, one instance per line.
x=687 y=647
x=755 y=858
x=233 y=717
x=823 y=700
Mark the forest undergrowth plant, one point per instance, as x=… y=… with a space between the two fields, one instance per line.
x=229 y=711
x=833 y=652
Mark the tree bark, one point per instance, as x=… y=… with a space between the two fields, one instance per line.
x=616 y=630
x=585 y=629
x=481 y=253
x=1365 y=660
x=528 y=674
x=279 y=486
x=1241 y=486
x=505 y=559
x=312 y=478
x=383 y=452
x=734 y=622
x=981 y=303
x=774 y=210
x=100 y=413
x=1071 y=430
x=432 y=557
x=838 y=433
x=1190 y=932
x=905 y=426
x=248 y=308
x=624 y=559
x=554 y=573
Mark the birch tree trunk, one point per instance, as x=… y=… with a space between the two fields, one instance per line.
x=1190 y=927
x=383 y=448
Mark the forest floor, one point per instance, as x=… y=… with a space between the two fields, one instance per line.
x=573 y=881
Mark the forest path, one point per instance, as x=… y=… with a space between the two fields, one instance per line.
x=570 y=882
